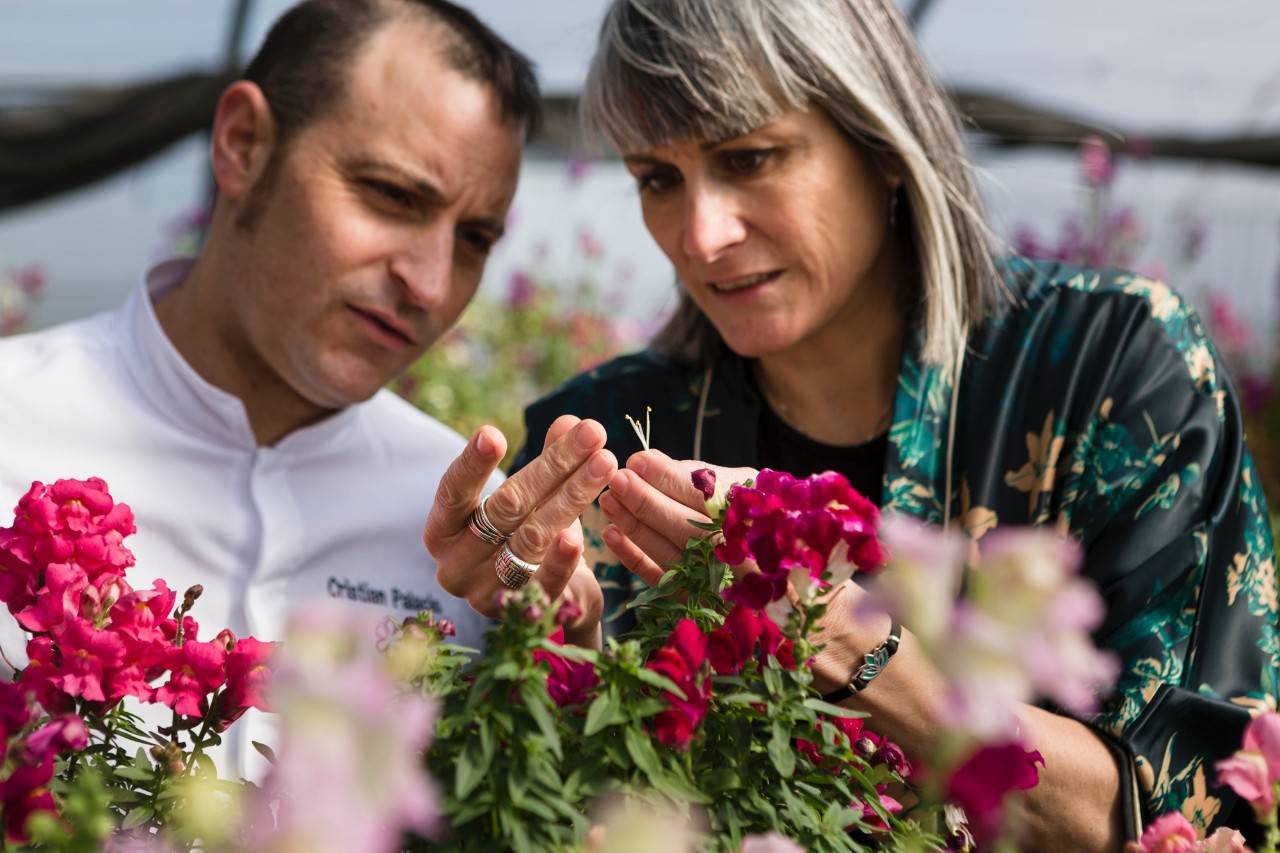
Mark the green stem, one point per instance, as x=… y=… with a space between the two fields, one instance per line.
x=1273 y=835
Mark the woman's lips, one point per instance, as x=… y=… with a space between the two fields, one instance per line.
x=744 y=283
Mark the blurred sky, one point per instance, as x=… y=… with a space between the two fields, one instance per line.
x=1145 y=65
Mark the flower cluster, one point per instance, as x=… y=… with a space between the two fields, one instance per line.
x=96 y=640
x=795 y=530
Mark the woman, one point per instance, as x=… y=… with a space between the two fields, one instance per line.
x=840 y=309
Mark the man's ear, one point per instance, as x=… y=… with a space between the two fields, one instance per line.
x=243 y=138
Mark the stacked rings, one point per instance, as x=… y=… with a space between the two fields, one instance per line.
x=512 y=571
x=479 y=524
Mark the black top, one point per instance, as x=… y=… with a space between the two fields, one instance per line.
x=784 y=448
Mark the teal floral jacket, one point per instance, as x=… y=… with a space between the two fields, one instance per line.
x=1091 y=402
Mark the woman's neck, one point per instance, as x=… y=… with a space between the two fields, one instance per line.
x=837 y=386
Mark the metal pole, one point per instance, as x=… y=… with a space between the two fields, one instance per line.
x=916 y=15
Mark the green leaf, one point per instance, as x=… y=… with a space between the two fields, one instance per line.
x=570 y=652
x=650 y=677
x=536 y=704
x=137 y=817
x=470 y=769
x=833 y=710
x=507 y=671
x=641 y=750
x=780 y=752
x=739 y=699
x=602 y=713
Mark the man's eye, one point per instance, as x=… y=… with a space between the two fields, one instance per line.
x=479 y=242
x=746 y=161
x=392 y=193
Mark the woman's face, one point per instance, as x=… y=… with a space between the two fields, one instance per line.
x=779 y=236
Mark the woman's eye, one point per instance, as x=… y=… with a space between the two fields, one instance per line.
x=658 y=180
x=746 y=161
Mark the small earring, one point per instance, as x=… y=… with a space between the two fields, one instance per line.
x=893 y=209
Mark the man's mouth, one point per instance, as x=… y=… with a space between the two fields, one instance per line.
x=744 y=282
x=387 y=325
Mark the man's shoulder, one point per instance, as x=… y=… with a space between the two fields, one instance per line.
x=30 y=357
x=405 y=429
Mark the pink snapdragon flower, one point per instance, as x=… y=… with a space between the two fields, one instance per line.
x=1254 y=770
x=197 y=670
x=88 y=655
x=792 y=529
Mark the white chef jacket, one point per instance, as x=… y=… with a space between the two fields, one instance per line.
x=333 y=511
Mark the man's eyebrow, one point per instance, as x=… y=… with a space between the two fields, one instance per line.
x=423 y=187
x=419 y=184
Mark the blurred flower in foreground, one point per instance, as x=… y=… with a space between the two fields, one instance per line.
x=349 y=774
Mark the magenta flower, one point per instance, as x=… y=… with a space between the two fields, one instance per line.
x=980 y=784
x=197 y=670
x=248 y=671
x=788 y=525
x=704 y=480
x=65 y=733
x=24 y=793
x=733 y=644
x=57 y=601
x=1254 y=770
x=681 y=661
x=570 y=681
x=88 y=654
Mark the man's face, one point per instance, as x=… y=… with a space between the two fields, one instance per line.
x=375 y=230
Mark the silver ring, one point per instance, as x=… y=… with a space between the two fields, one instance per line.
x=512 y=571
x=479 y=524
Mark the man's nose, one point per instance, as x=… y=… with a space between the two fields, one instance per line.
x=424 y=267
x=712 y=224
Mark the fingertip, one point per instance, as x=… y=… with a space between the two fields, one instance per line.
x=490 y=442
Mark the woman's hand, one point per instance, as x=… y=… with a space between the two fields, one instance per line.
x=538 y=507
x=650 y=504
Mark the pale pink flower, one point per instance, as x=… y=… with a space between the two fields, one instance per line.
x=1095 y=161
x=1225 y=840
x=1254 y=770
x=1170 y=833
x=349 y=774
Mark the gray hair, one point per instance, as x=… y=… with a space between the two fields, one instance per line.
x=669 y=70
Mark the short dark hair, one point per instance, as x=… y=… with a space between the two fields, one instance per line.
x=304 y=66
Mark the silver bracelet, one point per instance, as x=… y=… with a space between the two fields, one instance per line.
x=873 y=663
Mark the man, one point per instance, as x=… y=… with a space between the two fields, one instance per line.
x=364 y=166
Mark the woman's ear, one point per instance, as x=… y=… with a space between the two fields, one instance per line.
x=891 y=167
x=243 y=138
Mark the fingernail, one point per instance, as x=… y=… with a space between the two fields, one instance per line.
x=639 y=464
x=482 y=442
x=610 y=535
x=584 y=436
x=600 y=465
x=621 y=482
